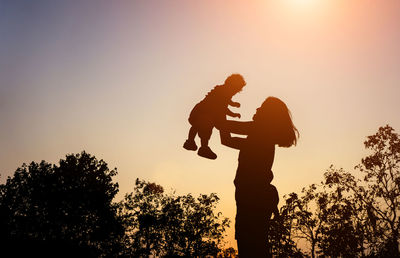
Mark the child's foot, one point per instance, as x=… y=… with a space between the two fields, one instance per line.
x=190 y=145
x=206 y=152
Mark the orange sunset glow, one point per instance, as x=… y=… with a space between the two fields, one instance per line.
x=119 y=79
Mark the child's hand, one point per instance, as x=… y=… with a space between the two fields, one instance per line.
x=237 y=115
x=235 y=104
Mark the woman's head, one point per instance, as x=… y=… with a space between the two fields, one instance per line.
x=274 y=119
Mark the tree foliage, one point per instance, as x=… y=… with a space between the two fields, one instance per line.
x=308 y=224
x=167 y=225
x=281 y=238
x=67 y=206
x=347 y=216
x=341 y=223
x=68 y=210
x=378 y=193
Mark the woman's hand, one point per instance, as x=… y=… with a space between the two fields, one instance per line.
x=226 y=127
x=220 y=124
x=236 y=127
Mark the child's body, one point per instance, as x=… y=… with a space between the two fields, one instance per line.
x=210 y=110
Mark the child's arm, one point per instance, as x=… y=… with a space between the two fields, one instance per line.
x=232 y=114
x=234 y=104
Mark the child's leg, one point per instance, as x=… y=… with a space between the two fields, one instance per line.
x=190 y=144
x=205 y=135
x=192 y=133
x=204 y=142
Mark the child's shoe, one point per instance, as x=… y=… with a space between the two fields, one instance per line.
x=190 y=145
x=206 y=152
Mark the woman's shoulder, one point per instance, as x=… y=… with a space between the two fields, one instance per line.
x=262 y=135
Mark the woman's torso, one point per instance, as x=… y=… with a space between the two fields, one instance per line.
x=255 y=163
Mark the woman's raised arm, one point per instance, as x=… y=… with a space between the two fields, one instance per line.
x=236 y=127
x=226 y=127
x=229 y=141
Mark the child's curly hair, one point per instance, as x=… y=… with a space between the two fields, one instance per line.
x=235 y=79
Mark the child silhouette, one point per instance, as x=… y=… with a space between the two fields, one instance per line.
x=211 y=109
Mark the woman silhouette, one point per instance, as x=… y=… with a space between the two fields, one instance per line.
x=272 y=125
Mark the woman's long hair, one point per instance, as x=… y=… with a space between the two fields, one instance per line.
x=274 y=120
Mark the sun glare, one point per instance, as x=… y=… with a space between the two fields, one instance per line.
x=305 y=7
x=303 y=4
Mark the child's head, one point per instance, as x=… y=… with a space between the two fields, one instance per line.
x=235 y=82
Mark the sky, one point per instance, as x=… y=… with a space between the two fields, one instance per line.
x=118 y=79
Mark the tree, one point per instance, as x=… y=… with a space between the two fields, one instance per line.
x=307 y=224
x=281 y=230
x=62 y=208
x=379 y=191
x=168 y=225
x=382 y=175
x=142 y=214
x=229 y=252
x=345 y=216
x=342 y=221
